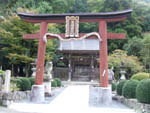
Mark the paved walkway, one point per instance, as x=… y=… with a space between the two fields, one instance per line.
x=74 y=99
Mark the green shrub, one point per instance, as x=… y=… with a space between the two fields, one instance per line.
x=2 y=72
x=13 y=86
x=140 y=76
x=129 y=89
x=32 y=80
x=23 y=84
x=120 y=86
x=58 y=82
x=113 y=86
x=132 y=63
x=143 y=91
x=54 y=83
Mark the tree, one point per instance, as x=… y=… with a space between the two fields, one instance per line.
x=17 y=52
x=145 y=52
x=132 y=63
x=134 y=46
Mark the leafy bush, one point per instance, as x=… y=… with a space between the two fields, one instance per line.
x=32 y=80
x=54 y=83
x=143 y=91
x=140 y=76
x=129 y=89
x=113 y=86
x=2 y=72
x=132 y=63
x=13 y=86
x=120 y=86
x=23 y=84
x=58 y=82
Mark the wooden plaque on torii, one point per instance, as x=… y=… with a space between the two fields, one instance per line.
x=72 y=32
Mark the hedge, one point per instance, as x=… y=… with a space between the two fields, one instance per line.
x=129 y=89
x=143 y=91
x=140 y=76
x=120 y=86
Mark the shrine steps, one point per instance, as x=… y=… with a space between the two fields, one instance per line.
x=67 y=83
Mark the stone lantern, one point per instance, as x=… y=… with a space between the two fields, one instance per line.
x=122 y=71
x=34 y=68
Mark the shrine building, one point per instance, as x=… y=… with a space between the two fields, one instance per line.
x=81 y=60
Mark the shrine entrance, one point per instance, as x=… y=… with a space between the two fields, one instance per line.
x=72 y=21
x=83 y=60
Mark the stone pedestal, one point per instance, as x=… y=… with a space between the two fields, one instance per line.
x=37 y=93
x=47 y=87
x=100 y=96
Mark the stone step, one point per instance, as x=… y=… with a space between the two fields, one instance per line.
x=67 y=83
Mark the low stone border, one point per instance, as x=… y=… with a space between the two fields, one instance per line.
x=133 y=103
x=7 y=98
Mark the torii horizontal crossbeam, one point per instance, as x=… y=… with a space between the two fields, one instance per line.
x=110 y=35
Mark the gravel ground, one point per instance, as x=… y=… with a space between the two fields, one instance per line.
x=48 y=100
x=73 y=99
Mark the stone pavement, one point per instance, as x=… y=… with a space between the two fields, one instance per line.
x=74 y=99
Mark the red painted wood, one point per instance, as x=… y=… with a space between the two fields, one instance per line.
x=110 y=35
x=116 y=35
x=81 y=20
x=32 y=36
x=41 y=55
x=103 y=54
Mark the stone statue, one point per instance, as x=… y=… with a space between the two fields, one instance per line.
x=110 y=75
x=48 y=77
x=48 y=70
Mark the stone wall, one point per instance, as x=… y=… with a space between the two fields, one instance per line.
x=7 y=98
x=134 y=104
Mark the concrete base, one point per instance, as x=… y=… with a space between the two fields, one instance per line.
x=37 y=93
x=47 y=87
x=6 y=103
x=100 y=96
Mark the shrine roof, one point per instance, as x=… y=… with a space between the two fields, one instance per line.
x=101 y=15
x=79 y=46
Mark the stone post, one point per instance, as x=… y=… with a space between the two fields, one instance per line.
x=48 y=77
x=70 y=68
x=7 y=81
x=1 y=81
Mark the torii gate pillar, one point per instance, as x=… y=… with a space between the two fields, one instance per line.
x=103 y=54
x=37 y=94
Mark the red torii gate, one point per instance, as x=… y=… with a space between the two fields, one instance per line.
x=101 y=18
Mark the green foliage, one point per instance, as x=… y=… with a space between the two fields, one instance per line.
x=134 y=46
x=145 y=52
x=58 y=82
x=23 y=84
x=129 y=89
x=32 y=80
x=18 y=53
x=54 y=83
x=2 y=72
x=132 y=64
x=140 y=76
x=120 y=86
x=113 y=86
x=143 y=91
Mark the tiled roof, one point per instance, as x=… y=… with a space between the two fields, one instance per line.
x=79 y=45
